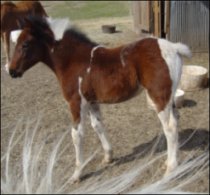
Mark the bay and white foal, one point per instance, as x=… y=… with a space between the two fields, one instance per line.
x=90 y=74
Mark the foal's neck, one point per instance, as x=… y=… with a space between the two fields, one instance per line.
x=59 y=58
x=48 y=60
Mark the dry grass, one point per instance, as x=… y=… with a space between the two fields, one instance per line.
x=35 y=176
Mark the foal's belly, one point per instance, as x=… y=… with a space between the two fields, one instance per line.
x=114 y=83
x=117 y=91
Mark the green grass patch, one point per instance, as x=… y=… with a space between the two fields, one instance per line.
x=76 y=10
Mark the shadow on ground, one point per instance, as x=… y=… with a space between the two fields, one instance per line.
x=189 y=139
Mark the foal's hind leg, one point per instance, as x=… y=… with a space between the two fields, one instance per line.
x=169 y=123
x=98 y=126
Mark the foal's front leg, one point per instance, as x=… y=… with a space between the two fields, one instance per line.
x=79 y=112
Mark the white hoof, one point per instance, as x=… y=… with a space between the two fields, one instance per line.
x=108 y=157
x=76 y=176
x=170 y=168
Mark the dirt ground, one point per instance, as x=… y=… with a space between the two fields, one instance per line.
x=131 y=126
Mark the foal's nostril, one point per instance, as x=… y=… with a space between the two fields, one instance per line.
x=13 y=73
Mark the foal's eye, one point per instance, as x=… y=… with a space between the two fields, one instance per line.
x=25 y=45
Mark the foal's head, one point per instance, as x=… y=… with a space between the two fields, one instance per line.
x=33 y=45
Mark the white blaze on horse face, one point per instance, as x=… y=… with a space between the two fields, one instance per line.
x=15 y=35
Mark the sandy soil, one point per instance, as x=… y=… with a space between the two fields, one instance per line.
x=131 y=126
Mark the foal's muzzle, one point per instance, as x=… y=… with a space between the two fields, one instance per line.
x=14 y=73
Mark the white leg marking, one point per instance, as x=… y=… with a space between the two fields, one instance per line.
x=78 y=134
x=98 y=126
x=169 y=123
x=7 y=67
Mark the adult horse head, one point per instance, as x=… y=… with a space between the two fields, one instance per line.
x=11 y=14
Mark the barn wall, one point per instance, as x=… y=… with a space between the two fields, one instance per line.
x=189 y=23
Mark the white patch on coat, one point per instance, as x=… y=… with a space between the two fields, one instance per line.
x=92 y=52
x=125 y=51
x=94 y=49
x=88 y=70
x=122 y=56
x=173 y=60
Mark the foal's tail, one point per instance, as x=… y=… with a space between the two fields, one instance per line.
x=183 y=49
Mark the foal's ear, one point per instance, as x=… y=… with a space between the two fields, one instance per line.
x=21 y=23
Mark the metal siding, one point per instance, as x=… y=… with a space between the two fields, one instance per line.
x=189 y=23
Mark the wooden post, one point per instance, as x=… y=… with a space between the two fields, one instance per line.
x=157 y=19
x=141 y=16
x=167 y=19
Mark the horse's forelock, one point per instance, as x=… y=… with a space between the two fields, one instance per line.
x=40 y=29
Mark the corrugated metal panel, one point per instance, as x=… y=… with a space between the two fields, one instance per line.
x=189 y=23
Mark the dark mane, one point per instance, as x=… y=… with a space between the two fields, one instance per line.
x=39 y=28
x=37 y=23
x=78 y=35
x=40 y=25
